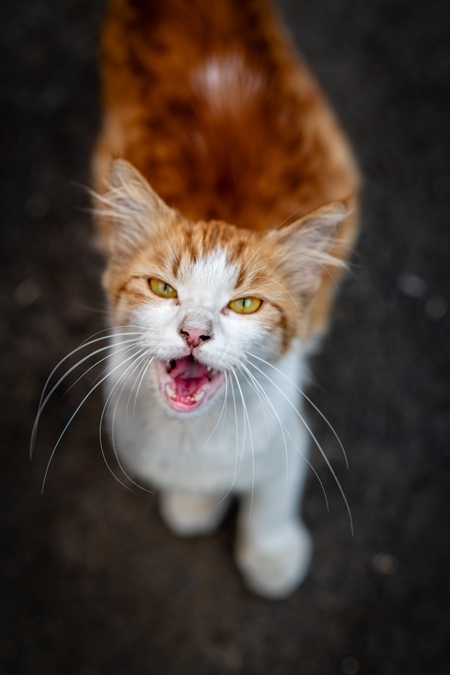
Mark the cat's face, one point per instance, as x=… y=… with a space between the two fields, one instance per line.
x=203 y=309
x=205 y=296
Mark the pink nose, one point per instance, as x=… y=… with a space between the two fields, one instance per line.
x=194 y=336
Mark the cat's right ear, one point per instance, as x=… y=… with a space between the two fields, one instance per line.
x=308 y=244
x=135 y=209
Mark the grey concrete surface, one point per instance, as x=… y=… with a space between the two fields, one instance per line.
x=91 y=582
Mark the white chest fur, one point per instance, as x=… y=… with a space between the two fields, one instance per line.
x=249 y=443
x=250 y=433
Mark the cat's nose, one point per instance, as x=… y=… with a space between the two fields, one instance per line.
x=195 y=336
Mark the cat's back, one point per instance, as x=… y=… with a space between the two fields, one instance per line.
x=209 y=101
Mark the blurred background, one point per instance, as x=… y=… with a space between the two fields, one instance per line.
x=91 y=581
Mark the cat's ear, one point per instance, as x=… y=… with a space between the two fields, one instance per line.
x=136 y=210
x=308 y=243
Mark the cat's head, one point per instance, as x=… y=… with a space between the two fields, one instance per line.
x=206 y=295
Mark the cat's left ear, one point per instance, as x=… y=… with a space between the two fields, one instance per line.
x=135 y=209
x=308 y=244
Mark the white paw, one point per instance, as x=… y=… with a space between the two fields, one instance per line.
x=190 y=515
x=275 y=565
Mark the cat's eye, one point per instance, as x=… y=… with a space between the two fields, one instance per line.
x=162 y=289
x=245 y=305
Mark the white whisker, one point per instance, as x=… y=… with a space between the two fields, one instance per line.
x=309 y=401
x=316 y=442
x=217 y=423
x=121 y=381
x=251 y=438
x=140 y=365
x=75 y=413
x=144 y=371
x=246 y=375
x=111 y=332
x=242 y=366
x=283 y=430
x=133 y=343
x=46 y=397
x=87 y=343
x=236 y=462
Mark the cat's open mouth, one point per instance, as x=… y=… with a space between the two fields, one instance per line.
x=186 y=384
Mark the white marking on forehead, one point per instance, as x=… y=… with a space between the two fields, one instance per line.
x=209 y=280
x=226 y=82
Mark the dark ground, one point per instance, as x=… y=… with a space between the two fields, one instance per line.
x=91 y=580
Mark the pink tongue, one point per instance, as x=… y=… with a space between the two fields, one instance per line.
x=189 y=375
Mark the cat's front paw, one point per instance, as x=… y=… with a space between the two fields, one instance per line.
x=275 y=565
x=189 y=515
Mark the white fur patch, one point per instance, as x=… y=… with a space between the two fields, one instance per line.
x=227 y=82
x=208 y=281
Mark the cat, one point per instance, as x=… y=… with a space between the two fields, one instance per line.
x=227 y=206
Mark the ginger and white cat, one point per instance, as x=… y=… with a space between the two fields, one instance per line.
x=228 y=204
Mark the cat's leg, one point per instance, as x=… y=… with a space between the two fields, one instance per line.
x=274 y=547
x=189 y=514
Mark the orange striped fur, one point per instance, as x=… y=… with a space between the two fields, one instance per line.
x=212 y=106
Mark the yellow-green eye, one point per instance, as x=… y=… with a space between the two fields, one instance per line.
x=162 y=289
x=245 y=305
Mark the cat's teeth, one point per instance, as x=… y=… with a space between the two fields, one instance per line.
x=198 y=396
x=170 y=391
